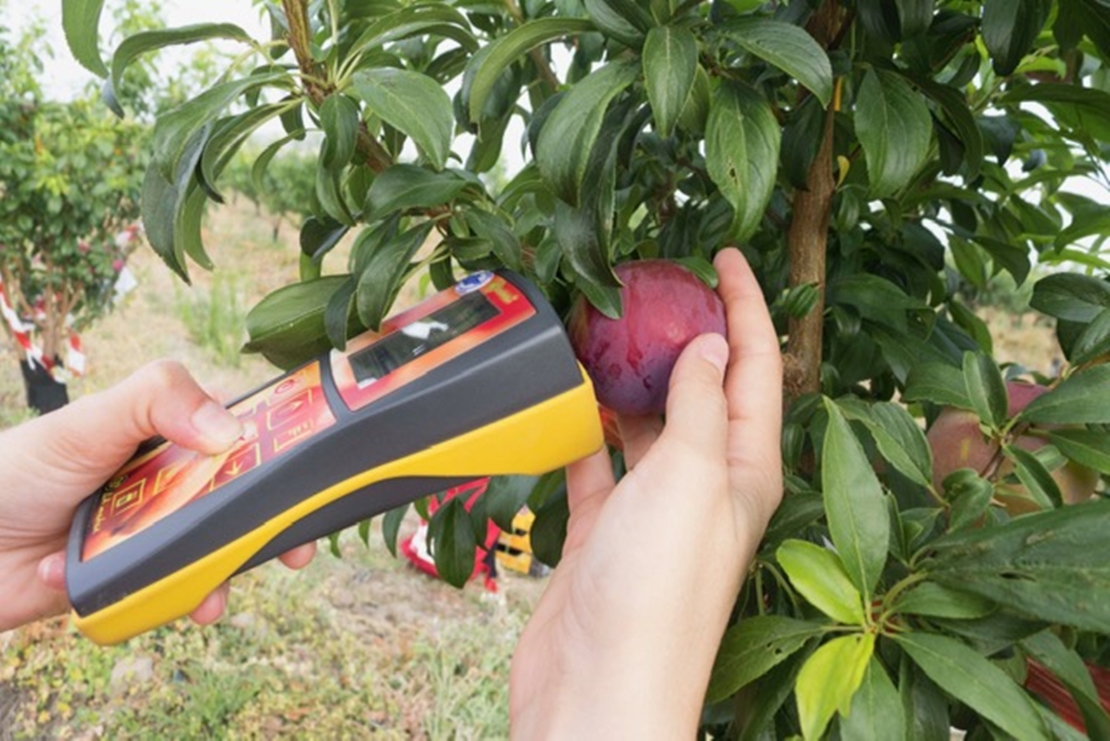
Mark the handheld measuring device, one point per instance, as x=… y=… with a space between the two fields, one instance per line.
x=478 y=380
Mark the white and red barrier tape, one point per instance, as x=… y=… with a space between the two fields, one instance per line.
x=23 y=332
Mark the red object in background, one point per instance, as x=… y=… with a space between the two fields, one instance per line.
x=1043 y=683
x=415 y=546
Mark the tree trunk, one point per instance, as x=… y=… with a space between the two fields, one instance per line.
x=44 y=394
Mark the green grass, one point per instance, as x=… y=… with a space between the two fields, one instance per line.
x=215 y=317
x=295 y=657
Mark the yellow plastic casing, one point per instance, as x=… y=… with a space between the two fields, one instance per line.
x=534 y=441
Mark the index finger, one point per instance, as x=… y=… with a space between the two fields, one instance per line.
x=753 y=384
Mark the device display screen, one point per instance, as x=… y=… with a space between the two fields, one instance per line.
x=422 y=336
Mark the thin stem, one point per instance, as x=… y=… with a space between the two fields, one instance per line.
x=536 y=54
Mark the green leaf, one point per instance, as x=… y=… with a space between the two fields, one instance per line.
x=742 y=142
x=1009 y=29
x=403 y=186
x=492 y=228
x=752 y=647
x=319 y=236
x=452 y=541
x=854 y=504
x=819 y=576
x=329 y=194
x=81 y=23
x=880 y=20
x=924 y=705
x=141 y=43
x=384 y=269
x=1085 y=110
x=829 y=680
x=970 y=495
x=985 y=388
x=568 y=135
x=787 y=47
x=914 y=18
x=505 y=496
x=696 y=111
x=416 y=20
x=1048 y=565
x=414 y=104
x=1071 y=296
x=763 y=700
x=187 y=225
x=1080 y=398
x=606 y=299
x=801 y=138
x=175 y=129
x=899 y=438
x=1035 y=477
x=957 y=115
x=287 y=326
x=894 y=129
x=877 y=299
x=936 y=600
x=549 y=529
x=1085 y=447
x=973 y=680
x=619 y=19
x=339 y=118
x=970 y=322
x=937 y=383
x=876 y=712
x=1007 y=256
x=508 y=48
x=165 y=199
x=391 y=526
x=228 y=135
x=338 y=314
x=670 y=59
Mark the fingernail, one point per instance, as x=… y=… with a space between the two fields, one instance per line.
x=217 y=424
x=52 y=571
x=714 y=349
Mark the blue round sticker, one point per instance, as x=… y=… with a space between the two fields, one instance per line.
x=473 y=282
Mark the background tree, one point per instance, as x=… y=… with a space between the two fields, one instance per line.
x=69 y=179
x=867 y=156
x=285 y=187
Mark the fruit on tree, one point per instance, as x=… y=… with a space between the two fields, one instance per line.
x=630 y=359
x=958 y=442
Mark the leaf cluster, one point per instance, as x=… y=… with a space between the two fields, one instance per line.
x=69 y=177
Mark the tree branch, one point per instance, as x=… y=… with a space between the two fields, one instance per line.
x=300 y=41
x=807 y=241
x=536 y=54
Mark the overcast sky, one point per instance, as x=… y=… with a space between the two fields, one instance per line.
x=66 y=78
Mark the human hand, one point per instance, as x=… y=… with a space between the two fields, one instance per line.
x=50 y=464
x=623 y=640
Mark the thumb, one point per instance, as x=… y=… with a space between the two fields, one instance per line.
x=103 y=429
x=697 y=411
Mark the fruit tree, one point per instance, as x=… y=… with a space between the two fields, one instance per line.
x=69 y=207
x=878 y=163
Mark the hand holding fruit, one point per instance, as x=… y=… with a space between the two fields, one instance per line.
x=623 y=640
x=630 y=359
x=53 y=462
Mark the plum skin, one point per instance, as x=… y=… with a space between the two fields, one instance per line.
x=630 y=359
